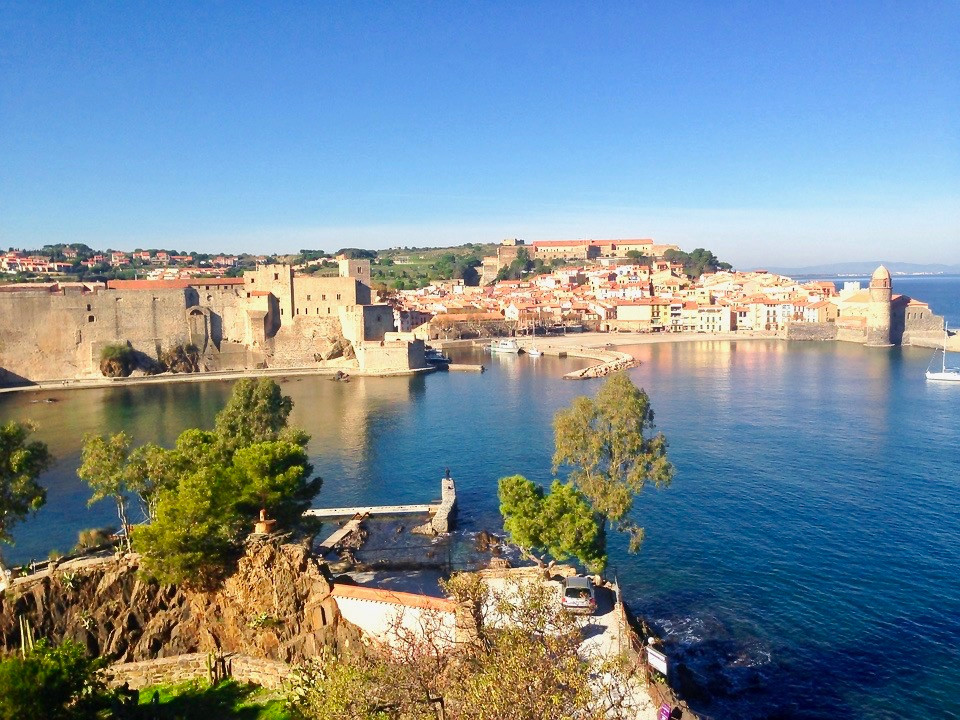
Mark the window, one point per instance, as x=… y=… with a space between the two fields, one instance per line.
x=276 y=276
x=90 y=318
x=308 y=297
x=323 y=297
x=88 y=307
x=338 y=296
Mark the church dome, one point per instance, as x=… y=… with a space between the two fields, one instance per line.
x=881 y=273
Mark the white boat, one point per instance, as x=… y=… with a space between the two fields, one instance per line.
x=945 y=374
x=533 y=352
x=504 y=346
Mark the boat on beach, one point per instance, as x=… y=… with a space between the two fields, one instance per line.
x=945 y=374
x=505 y=346
x=533 y=352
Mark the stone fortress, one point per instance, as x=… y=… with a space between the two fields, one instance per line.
x=875 y=317
x=269 y=318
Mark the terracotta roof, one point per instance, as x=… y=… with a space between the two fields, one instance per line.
x=394 y=597
x=170 y=284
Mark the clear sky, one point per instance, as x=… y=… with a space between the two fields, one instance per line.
x=770 y=132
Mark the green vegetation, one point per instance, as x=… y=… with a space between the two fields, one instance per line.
x=697 y=262
x=117 y=360
x=54 y=683
x=202 y=495
x=93 y=537
x=21 y=462
x=228 y=700
x=561 y=522
x=181 y=359
x=605 y=443
x=105 y=467
x=523 y=265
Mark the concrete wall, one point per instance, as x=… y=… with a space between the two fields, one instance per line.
x=386 y=615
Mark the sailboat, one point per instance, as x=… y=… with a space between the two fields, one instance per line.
x=946 y=374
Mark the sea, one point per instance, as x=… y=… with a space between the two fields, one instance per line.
x=804 y=563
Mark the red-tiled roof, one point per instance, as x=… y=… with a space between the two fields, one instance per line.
x=170 y=284
x=394 y=597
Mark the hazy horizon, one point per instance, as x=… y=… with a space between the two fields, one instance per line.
x=784 y=135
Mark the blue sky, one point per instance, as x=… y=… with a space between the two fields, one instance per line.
x=772 y=133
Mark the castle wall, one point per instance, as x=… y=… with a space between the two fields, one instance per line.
x=391 y=355
x=49 y=336
x=324 y=296
x=809 y=331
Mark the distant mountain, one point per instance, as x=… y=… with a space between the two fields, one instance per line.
x=867 y=268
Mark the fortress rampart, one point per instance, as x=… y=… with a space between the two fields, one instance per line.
x=269 y=318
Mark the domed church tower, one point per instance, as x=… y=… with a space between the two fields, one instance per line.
x=879 y=313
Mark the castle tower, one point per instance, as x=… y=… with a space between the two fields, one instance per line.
x=879 y=312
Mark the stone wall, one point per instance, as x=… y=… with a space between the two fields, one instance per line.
x=809 y=331
x=270 y=674
x=391 y=355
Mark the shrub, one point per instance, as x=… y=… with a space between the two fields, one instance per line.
x=117 y=360
x=54 y=683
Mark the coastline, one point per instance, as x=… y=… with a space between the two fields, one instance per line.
x=95 y=383
x=601 y=346
x=590 y=345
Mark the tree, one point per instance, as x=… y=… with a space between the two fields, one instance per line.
x=200 y=493
x=697 y=262
x=561 y=522
x=54 y=683
x=21 y=463
x=195 y=530
x=150 y=469
x=256 y=411
x=104 y=467
x=275 y=476
x=607 y=445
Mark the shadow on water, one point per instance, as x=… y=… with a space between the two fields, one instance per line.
x=724 y=671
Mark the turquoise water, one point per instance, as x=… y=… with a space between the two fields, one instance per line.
x=804 y=564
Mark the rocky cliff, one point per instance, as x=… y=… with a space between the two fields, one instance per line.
x=277 y=605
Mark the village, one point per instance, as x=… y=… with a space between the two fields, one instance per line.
x=630 y=286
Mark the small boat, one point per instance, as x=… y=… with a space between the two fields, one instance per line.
x=435 y=357
x=945 y=374
x=533 y=352
x=504 y=346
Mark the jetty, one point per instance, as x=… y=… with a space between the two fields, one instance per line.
x=441 y=513
x=464 y=367
x=341 y=534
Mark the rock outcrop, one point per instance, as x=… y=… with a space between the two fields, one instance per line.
x=277 y=605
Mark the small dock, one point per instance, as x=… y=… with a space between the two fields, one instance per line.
x=441 y=514
x=371 y=510
x=461 y=367
x=341 y=534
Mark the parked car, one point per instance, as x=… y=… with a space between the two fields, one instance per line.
x=578 y=595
